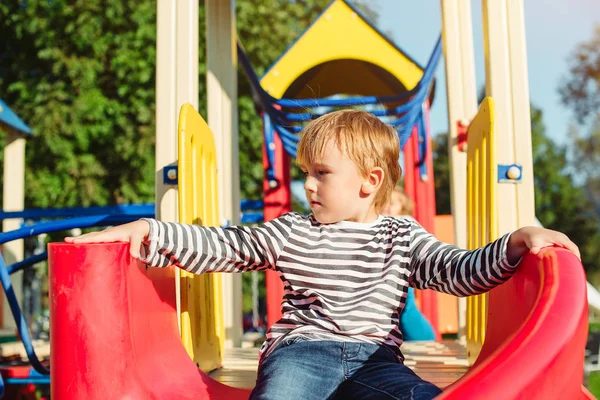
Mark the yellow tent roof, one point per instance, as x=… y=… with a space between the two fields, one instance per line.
x=341 y=53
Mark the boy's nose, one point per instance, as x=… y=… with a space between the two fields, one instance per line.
x=309 y=184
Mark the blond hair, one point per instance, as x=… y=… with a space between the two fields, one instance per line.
x=361 y=137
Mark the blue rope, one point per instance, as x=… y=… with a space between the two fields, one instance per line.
x=408 y=114
x=266 y=101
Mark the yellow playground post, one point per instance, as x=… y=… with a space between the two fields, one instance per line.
x=202 y=328
x=482 y=218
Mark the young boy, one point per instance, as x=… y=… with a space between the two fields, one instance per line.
x=345 y=268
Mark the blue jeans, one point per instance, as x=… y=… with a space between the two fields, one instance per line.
x=302 y=369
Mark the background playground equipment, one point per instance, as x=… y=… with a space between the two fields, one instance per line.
x=532 y=349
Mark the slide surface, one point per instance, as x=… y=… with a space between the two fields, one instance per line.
x=536 y=333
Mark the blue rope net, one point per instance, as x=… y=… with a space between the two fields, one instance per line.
x=285 y=117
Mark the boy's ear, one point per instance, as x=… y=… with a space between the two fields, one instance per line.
x=373 y=181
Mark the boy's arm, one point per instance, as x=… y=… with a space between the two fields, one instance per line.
x=446 y=268
x=443 y=267
x=200 y=249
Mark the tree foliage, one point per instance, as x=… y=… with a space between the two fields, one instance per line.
x=581 y=93
x=560 y=203
x=441 y=173
x=82 y=75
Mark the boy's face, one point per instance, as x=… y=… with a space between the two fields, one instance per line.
x=333 y=188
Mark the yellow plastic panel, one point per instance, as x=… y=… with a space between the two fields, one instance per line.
x=339 y=34
x=202 y=325
x=482 y=218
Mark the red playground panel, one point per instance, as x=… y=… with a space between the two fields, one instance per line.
x=113 y=330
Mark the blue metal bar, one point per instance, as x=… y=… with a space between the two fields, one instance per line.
x=19 y=319
x=55 y=226
x=22 y=381
x=139 y=210
x=422 y=138
x=269 y=144
x=251 y=205
x=40 y=213
x=27 y=262
x=252 y=218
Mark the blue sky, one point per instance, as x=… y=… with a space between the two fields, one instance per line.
x=553 y=29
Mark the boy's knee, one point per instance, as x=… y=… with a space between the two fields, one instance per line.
x=425 y=391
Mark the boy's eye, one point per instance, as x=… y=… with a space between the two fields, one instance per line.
x=321 y=172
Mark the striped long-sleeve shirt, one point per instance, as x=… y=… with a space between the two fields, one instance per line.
x=343 y=282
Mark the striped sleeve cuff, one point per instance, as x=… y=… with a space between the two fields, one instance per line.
x=503 y=261
x=150 y=254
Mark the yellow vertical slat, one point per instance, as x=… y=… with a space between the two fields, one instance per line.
x=202 y=325
x=482 y=224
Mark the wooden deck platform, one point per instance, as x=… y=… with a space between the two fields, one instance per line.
x=439 y=362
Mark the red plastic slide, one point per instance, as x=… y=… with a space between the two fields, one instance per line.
x=113 y=330
x=536 y=335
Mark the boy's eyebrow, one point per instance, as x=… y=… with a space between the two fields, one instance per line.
x=315 y=164
x=322 y=165
x=318 y=165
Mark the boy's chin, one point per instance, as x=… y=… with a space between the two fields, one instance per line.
x=323 y=219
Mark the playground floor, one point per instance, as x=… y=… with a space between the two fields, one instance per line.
x=439 y=362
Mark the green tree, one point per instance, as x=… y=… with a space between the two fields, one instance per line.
x=81 y=74
x=441 y=173
x=580 y=92
x=560 y=203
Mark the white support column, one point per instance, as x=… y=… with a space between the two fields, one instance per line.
x=507 y=83
x=166 y=208
x=521 y=111
x=187 y=54
x=166 y=107
x=221 y=76
x=457 y=34
x=13 y=200
x=176 y=84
